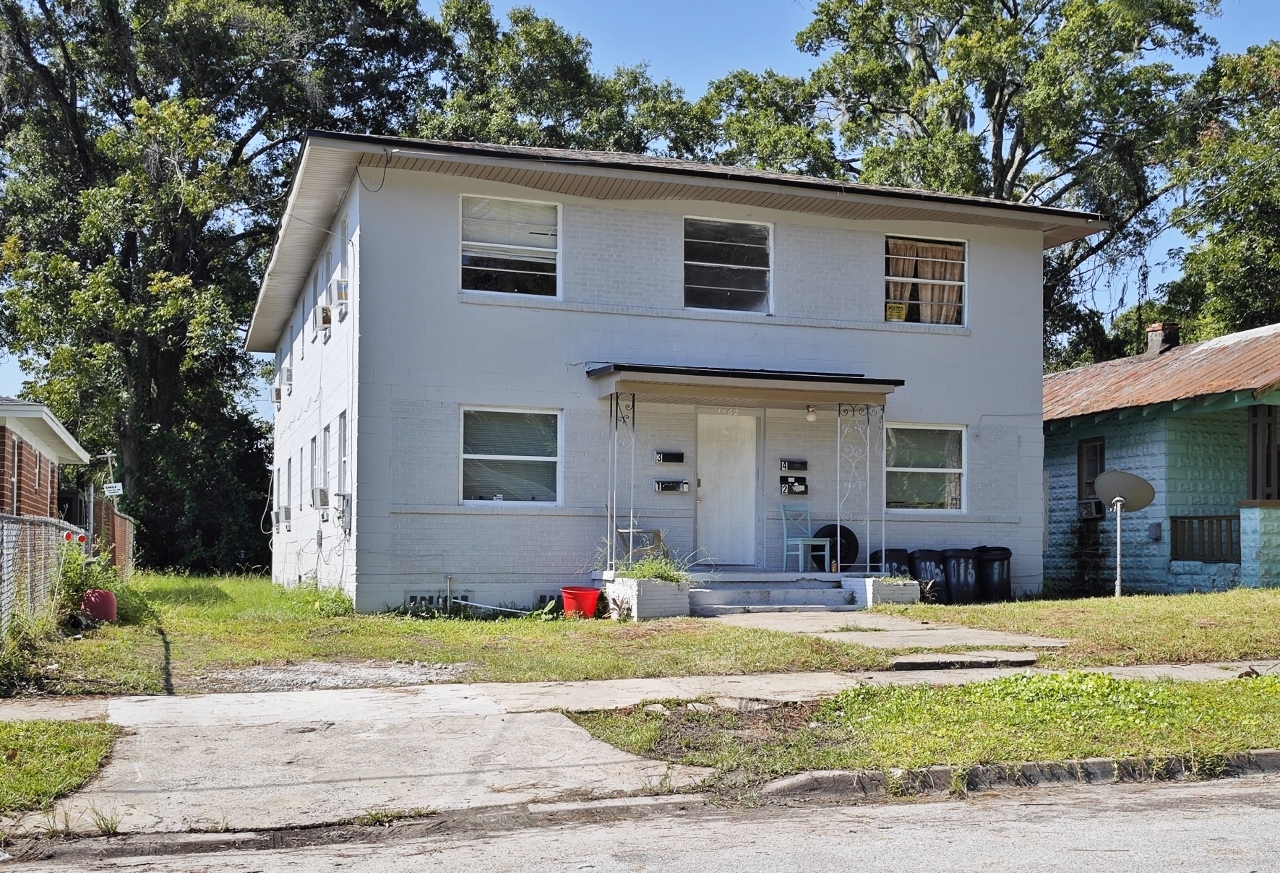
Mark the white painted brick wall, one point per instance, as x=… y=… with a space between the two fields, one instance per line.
x=323 y=387
x=425 y=350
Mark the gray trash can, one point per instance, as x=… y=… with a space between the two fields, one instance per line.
x=928 y=569
x=992 y=566
x=961 y=580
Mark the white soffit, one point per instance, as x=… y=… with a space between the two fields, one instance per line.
x=328 y=162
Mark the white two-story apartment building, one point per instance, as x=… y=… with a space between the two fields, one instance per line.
x=492 y=359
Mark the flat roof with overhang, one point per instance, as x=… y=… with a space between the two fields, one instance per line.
x=327 y=162
x=782 y=389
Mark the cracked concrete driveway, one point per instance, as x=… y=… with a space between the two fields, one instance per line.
x=266 y=760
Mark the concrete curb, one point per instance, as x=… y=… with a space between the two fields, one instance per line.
x=866 y=784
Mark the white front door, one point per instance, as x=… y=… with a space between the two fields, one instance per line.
x=727 y=489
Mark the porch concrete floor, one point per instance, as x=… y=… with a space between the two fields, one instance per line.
x=884 y=631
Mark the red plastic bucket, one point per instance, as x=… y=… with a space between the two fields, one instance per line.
x=580 y=600
x=99 y=604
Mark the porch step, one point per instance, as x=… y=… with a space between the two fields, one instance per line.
x=713 y=611
x=743 y=597
x=712 y=578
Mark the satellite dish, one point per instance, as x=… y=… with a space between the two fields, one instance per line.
x=1123 y=492
x=1136 y=492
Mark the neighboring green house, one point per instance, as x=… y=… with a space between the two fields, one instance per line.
x=1200 y=422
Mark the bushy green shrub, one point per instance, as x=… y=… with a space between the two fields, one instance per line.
x=79 y=574
x=661 y=567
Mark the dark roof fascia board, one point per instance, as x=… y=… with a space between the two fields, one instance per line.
x=596 y=371
x=1183 y=407
x=713 y=172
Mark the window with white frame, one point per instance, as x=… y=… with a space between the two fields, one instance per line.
x=924 y=280
x=726 y=265
x=510 y=246
x=924 y=467
x=510 y=456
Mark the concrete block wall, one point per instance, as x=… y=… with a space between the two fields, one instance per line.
x=1196 y=463
x=1205 y=458
x=1260 y=544
x=427 y=349
x=1138 y=445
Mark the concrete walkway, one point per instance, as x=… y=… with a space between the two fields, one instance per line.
x=296 y=758
x=885 y=631
x=282 y=759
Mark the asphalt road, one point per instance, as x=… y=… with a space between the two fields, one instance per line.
x=1228 y=825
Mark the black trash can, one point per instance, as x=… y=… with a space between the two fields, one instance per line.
x=992 y=566
x=894 y=562
x=928 y=568
x=848 y=547
x=961 y=581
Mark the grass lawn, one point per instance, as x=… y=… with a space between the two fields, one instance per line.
x=42 y=760
x=192 y=625
x=1146 y=629
x=1025 y=717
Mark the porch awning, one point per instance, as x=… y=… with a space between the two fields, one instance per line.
x=778 y=389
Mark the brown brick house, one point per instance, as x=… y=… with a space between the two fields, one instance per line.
x=33 y=444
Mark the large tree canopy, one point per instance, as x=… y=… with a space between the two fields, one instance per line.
x=146 y=148
x=1070 y=103
x=1231 y=274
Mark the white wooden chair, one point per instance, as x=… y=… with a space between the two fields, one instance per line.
x=798 y=539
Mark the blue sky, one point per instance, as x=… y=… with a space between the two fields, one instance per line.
x=696 y=41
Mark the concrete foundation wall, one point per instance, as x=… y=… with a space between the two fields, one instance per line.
x=1260 y=544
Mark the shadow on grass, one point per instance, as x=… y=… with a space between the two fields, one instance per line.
x=188 y=594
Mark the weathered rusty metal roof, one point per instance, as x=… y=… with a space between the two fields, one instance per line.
x=1245 y=361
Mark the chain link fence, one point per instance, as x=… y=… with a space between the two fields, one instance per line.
x=31 y=553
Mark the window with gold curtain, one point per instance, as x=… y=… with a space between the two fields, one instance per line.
x=933 y=292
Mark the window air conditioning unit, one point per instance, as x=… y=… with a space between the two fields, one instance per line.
x=277 y=394
x=321 y=319
x=286 y=379
x=1090 y=509
x=280 y=516
x=319 y=498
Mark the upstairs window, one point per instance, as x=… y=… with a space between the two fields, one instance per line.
x=726 y=265
x=924 y=467
x=510 y=246
x=510 y=456
x=924 y=280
